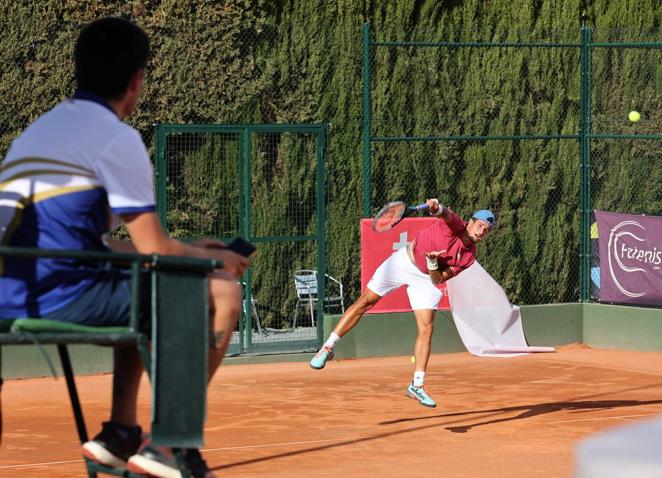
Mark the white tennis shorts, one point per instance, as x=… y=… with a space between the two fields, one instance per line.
x=398 y=270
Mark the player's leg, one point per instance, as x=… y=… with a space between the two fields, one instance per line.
x=347 y=322
x=386 y=278
x=424 y=298
x=423 y=342
x=355 y=312
x=422 y=345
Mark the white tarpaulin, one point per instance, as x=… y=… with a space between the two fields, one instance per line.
x=489 y=325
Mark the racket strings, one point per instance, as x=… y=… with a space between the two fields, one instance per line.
x=388 y=216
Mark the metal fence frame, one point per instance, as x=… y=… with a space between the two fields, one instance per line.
x=246 y=133
x=585 y=136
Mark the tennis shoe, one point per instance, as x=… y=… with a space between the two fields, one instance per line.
x=159 y=462
x=321 y=358
x=113 y=445
x=197 y=465
x=420 y=394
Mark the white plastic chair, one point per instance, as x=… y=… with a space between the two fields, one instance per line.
x=305 y=282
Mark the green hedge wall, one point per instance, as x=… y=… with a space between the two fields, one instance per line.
x=300 y=61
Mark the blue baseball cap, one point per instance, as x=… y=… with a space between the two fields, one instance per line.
x=485 y=215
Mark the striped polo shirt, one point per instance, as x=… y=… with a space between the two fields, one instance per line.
x=63 y=184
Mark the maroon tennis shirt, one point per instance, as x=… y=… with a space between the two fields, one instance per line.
x=441 y=236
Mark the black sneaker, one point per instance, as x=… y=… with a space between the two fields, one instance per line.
x=197 y=465
x=113 y=445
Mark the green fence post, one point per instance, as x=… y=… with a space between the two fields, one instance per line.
x=161 y=175
x=585 y=167
x=367 y=120
x=320 y=145
x=248 y=293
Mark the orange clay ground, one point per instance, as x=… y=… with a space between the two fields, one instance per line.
x=495 y=417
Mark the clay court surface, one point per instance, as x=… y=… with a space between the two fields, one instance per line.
x=495 y=417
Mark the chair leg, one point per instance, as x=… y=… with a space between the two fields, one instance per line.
x=73 y=393
x=257 y=318
x=0 y=410
x=0 y=395
x=73 y=397
x=312 y=314
x=296 y=315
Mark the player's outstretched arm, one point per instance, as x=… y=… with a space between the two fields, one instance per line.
x=437 y=209
x=440 y=276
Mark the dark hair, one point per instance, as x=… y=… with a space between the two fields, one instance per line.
x=108 y=52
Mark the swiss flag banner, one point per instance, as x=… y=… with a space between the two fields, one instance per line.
x=376 y=247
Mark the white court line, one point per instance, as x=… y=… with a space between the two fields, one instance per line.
x=48 y=463
x=604 y=418
x=273 y=444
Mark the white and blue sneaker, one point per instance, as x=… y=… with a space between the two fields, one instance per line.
x=420 y=394
x=321 y=358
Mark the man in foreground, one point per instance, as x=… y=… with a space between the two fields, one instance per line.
x=67 y=181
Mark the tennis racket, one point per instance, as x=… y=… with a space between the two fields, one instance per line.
x=394 y=212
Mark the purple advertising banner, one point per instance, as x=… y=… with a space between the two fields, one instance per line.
x=630 y=258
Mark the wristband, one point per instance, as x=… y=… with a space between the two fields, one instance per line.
x=440 y=211
x=433 y=265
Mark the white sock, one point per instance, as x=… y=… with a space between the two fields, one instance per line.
x=332 y=341
x=419 y=378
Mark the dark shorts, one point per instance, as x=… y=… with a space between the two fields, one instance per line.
x=107 y=302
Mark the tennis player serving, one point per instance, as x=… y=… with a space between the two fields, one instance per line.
x=436 y=254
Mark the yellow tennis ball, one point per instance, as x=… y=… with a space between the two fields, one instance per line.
x=413 y=359
x=634 y=116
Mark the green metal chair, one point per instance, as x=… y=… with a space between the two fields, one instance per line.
x=176 y=362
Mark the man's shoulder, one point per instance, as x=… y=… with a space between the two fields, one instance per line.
x=78 y=117
x=84 y=123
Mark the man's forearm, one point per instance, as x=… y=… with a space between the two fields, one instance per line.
x=118 y=245
x=435 y=277
x=446 y=213
x=440 y=276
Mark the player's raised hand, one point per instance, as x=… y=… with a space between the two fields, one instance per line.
x=434 y=206
x=431 y=258
x=434 y=255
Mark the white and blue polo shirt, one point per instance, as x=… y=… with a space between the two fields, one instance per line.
x=63 y=184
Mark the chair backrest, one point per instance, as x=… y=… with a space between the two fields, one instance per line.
x=305 y=281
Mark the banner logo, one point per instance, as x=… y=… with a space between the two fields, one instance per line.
x=620 y=250
x=630 y=258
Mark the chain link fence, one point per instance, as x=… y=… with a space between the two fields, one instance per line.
x=267 y=184
x=626 y=156
x=474 y=118
x=536 y=130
